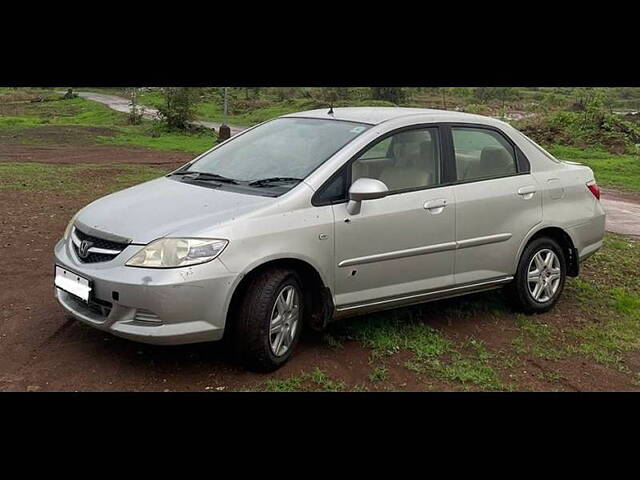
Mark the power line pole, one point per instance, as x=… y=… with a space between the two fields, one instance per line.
x=224 y=121
x=225 y=132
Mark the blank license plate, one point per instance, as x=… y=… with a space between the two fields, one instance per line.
x=72 y=283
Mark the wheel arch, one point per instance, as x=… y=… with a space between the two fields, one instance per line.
x=314 y=284
x=562 y=237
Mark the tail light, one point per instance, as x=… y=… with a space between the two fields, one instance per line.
x=593 y=188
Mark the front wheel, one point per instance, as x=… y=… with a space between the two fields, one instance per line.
x=269 y=320
x=540 y=277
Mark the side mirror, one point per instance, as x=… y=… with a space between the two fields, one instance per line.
x=365 y=189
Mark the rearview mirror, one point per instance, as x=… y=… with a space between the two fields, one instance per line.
x=365 y=189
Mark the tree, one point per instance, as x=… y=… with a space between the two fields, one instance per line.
x=255 y=92
x=592 y=103
x=179 y=106
x=331 y=95
x=390 y=94
x=136 y=111
x=503 y=94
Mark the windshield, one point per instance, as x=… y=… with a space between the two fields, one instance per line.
x=278 y=154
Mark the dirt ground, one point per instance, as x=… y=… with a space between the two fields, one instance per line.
x=66 y=145
x=40 y=350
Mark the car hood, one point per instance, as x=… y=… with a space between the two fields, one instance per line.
x=164 y=207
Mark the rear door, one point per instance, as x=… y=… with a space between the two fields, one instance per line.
x=497 y=202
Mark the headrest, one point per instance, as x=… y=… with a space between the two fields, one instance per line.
x=495 y=159
x=409 y=137
x=426 y=147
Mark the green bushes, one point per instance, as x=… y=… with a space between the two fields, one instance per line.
x=178 y=108
x=390 y=94
x=584 y=129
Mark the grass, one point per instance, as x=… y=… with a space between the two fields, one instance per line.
x=331 y=341
x=536 y=338
x=316 y=380
x=470 y=372
x=43 y=177
x=468 y=364
x=613 y=171
x=212 y=109
x=140 y=137
x=78 y=112
x=616 y=332
x=387 y=336
x=214 y=112
x=379 y=374
x=611 y=302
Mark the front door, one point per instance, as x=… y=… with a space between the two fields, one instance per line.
x=402 y=244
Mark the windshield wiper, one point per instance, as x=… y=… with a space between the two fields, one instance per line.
x=268 y=181
x=206 y=176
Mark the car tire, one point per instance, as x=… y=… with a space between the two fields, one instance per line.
x=532 y=292
x=273 y=297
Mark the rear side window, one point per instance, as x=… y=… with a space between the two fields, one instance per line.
x=539 y=148
x=482 y=154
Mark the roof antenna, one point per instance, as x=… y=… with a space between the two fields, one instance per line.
x=330 y=112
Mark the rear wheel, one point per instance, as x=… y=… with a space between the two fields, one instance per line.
x=540 y=277
x=269 y=320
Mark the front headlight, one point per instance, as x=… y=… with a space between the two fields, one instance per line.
x=67 y=231
x=177 y=252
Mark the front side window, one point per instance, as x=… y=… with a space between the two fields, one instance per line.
x=482 y=153
x=278 y=154
x=406 y=160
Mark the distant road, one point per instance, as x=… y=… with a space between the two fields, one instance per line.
x=623 y=212
x=121 y=104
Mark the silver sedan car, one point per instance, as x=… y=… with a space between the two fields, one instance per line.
x=324 y=214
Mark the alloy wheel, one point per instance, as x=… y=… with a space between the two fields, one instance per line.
x=285 y=318
x=544 y=275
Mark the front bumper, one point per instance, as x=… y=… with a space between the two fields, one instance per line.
x=157 y=306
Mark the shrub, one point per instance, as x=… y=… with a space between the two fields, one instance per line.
x=284 y=93
x=179 y=106
x=389 y=94
x=239 y=106
x=587 y=128
x=136 y=111
x=478 y=109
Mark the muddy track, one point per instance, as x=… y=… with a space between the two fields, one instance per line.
x=623 y=212
x=121 y=104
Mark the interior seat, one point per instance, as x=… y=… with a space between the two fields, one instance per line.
x=429 y=158
x=413 y=164
x=494 y=161
x=408 y=177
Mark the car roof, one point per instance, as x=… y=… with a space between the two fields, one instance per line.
x=377 y=115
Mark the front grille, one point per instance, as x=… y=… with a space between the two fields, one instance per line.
x=96 y=243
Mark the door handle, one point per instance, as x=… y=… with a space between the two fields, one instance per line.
x=527 y=192
x=435 y=206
